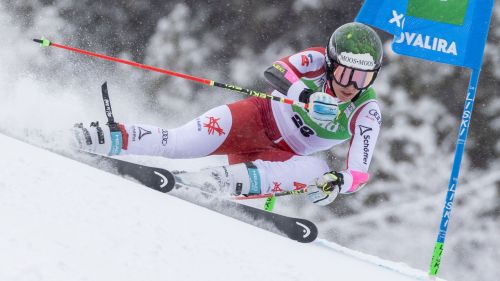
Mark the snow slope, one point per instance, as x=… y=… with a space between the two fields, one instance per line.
x=63 y=220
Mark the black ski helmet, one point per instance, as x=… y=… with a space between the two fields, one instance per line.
x=354 y=45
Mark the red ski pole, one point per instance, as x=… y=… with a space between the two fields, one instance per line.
x=47 y=43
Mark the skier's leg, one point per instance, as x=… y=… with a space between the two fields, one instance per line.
x=295 y=173
x=231 y=129
x=197 y=138
x=228 y=129
x=259 y=177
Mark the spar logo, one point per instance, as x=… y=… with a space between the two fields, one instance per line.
x=421 y=40
x=305 y=60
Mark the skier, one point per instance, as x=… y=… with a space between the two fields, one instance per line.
x=269 y=144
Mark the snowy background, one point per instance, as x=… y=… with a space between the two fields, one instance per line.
x=45 y=91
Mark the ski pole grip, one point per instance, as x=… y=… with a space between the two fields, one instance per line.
x=116 y=134
x=107 y=107
x=43 y=42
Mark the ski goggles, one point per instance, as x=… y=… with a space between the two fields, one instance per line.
x=345 y=76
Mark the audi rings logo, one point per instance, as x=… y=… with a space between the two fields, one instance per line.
x=164 y=137
x=376 y=115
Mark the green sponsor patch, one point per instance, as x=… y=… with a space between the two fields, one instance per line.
x=445 y=11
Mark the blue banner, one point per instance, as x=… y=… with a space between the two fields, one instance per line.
x=447 y=31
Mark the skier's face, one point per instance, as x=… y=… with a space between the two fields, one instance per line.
x=348 y=81
x=344 y=93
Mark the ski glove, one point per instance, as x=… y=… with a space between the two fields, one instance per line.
x=323 y=108
x=325 y=189
x=105 y=140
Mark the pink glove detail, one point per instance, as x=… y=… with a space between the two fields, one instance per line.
x=289 y=73
x=359 y=179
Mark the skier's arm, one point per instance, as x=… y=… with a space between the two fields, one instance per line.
x=287 y=71
x=365 y=128
x=280 y=76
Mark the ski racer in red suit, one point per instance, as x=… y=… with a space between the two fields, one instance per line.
x=269 y=144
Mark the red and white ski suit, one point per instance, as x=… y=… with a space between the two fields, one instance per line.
x=265 y=132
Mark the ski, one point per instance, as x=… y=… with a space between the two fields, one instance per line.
x=154 y=178
x=162 y=180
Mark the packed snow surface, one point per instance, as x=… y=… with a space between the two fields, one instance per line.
x=63 y=220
